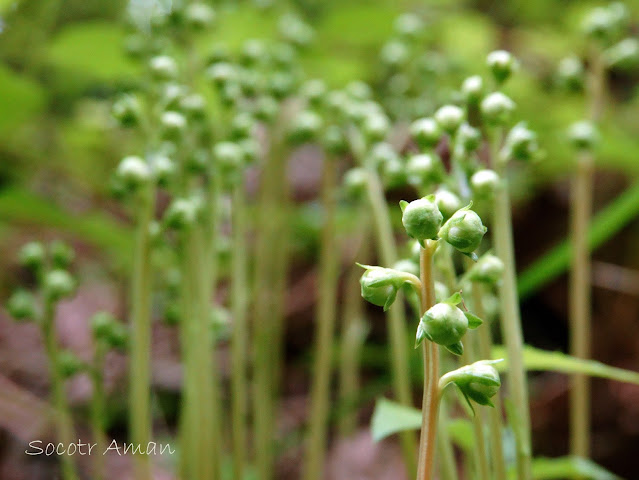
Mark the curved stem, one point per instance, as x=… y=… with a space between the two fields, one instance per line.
x=62 y=414
x=430 y=400
x=240 y=332
x=140 y=355
x=98 y=409
x=510 y=315
x=325 y=326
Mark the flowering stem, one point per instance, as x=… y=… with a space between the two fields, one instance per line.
x=396 y=315
x=510 y=315
x=64 y=424
x=240 y=331
x=140 y=355
x=430 y=400
x=98 y=410
x=494 y=414
x=580 y=314
x=325 y=326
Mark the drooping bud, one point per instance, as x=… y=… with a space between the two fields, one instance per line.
x=334 y=140
x=380 y=285
x=502 y=65
x=305 y=127
x=61 y=254
x=375 y=127
x=624 y=55
x=355 y=182
x=133 y=172
x=199 y=16
x=21 y=305
x=488 y=269
x=426 y=132
x=521 y=143
x=421 y=218
x=69 y=364
x=583 y=135
x=497 y=108
x=464 y=230
x=181 y=214
x=478 y=382
x=32 y=255
x=447 y=202
x=424 y=169
x=127 y=111
x=58 y=284
x=163 y=169
x=408 y=25
x=449 y=118
x=172 y=125
x=468 y=138
x=570 y=73
x=484 y=183
x=163 y=67
x=473 y=89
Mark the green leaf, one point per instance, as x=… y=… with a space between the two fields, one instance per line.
x=604 y=225
x=455 y=348
x=569 y=467
x=473 y=320
x=454 y=299
x=391 y=417
x=543 y=360
x=22 y=97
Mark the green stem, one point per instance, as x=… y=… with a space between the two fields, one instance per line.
x=98 y=409
x=494 y=414
x=325 y=326
x=62 y=413
x=140 y=355
x=510 y=315
x=239 y=300
x=580 y=293
x=430 y=400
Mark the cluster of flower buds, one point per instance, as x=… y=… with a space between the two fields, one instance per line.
x=107 y=329
x=478 y=382
x=446 y=324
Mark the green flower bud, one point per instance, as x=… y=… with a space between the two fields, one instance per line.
x=221 y=73
x=199 y=16
x=229 y=158
x=230 y=94
x=314 y=92
x=355 y=182
x=478 y=382
x=409 y=25
x=32 y=255
x=219 y=53
x=133 y=172
x=521 y=143
x=194 y=106
x=624 y=55
x=266 y=108
x=335 y=141
x=253 y=51
x=426 y=132
x=306 y=127
x=447 y=202
x=570 y=73
x=61 y=254
x=424 y=169
x=163 y=169
x=497 y=108
x=172 y=95
x=421 y=218
x=281 y=84
x=488 y=269
x=464 y=230
x=21 y=305
x=284 y=55
x=173 y=125
x=101 y=324
x=443 y=324
x=221 y=324
x=127 y=111
x=473 y=89
x=375 y=127
x=181 y=214
x=395 y=54
x=392 y=172
x=242 y=125
x=468 y=138
x=379 y=285
x=58 y=284
x=502 y=65
x=69 y=364
x=381 y=153
x=604 y=23
x=484 y=183
x=250 y=150
x=583 y=135
x=359 y=91
x=163 y=68
x=295 y=30
x=449 y=118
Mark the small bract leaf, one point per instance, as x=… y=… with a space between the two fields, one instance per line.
x=473 y=320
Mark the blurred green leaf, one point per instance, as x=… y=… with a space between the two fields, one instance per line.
x=391 y=417
x=542 y=360
x=21 y=98
x=569 y=467
x=604 y=225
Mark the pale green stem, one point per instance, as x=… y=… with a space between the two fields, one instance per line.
x=140 y=353
x=98 y=408
x=580 y=290
x=62 y=414
x=494 y=414
x=430 y=400
x=510 y=316
x=239 y=341
x=324 y=328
